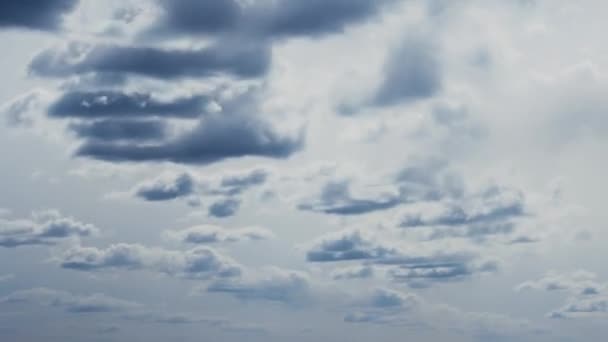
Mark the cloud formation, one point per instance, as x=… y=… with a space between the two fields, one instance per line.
x=208 y=234
x=196 y=263
x=43 y=228
x=37 y=15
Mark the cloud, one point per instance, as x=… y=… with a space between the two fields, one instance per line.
x=167 y=189
x=224 y=208
x=265 y=19
x=43 y=228
x=196 y=263
x=103 y=304
x=234 y=184
x=274 y=284
x=38 y=15
x=208 y=234
x=213 y=140
x=120 y=130
x=117 y=104
x=581 y=283
x=582 y=307
x=416 y=268
x=241 y=59
x=412 y=72
x=6 y=277
x=336 y=198
x=96 y=303
x=357 y=272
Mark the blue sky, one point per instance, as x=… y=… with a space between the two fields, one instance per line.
x=275 y=170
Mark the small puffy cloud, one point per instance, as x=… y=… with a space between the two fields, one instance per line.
x=96 y=303
x=224 y=208
x=38 y=15
x=208 y=234
x=6 y=277
x=164 y=189
x=196 y=263
x=43 y=228
x=582 y=307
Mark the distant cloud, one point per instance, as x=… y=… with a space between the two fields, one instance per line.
x=97 y=303
x=275 y=285
x=208 y=234
x=356 y=272
x=43 y=228
x=38 y=15
x=414 y=268
x=197 y=263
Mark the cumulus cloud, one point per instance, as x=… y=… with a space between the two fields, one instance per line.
x=38 y=15
x=416 y=268
x=273 y=284
x=115 y=130
x=265 y=19
x=43 y=228
x=162 y=189
x=412 y=72
x=241 y=60
x=209 y=234
x=117 y=104
x=196 y=263
x=224 y=208
x=336 y=198
x=210 y=142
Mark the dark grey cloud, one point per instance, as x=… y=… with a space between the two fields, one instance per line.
x=110 y=104
x=265 y=19
x=197 y=17
x=412 y=72
x=336 y=198
x=313 y=17
x=120 y=130
x=224 y=208
x=44 y=228
x=215 y=139
x=242 y=59
x=44 y=15
x=384 y=306
x=208 y=234
x=197 y=263
x=183 y=185
x=288 y=287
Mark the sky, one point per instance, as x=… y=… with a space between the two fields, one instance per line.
x=291 y=170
